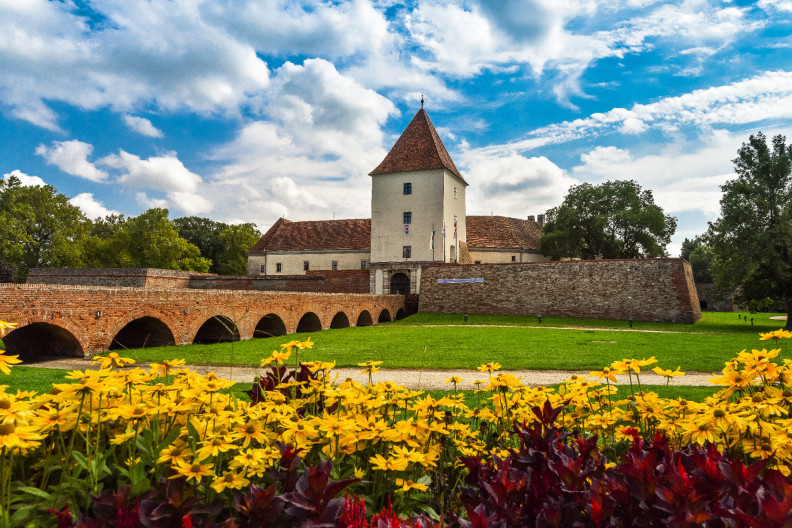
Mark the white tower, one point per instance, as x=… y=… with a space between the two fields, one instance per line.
x=417 y=209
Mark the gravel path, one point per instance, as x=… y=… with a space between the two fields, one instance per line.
x=412 y=379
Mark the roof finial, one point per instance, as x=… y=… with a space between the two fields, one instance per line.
x=422 y=101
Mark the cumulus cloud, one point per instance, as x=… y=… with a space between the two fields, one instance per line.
x=142 y=126
x=90 y=206
x=24 y=179
x=322 y=135
x=513 y=185
x=72 y=158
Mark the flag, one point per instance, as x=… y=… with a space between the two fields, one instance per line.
x=431 y=240
x=406 y=229
x=443 y=230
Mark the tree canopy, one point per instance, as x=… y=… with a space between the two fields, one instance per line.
x=699 y=253
x=752 y=239
x=616 y=219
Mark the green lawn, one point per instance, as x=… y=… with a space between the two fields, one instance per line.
x=424 y=346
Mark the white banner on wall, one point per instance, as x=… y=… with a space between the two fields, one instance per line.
x=459 y=281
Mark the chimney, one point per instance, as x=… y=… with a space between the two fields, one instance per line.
x=540 y=219
x=531 y=218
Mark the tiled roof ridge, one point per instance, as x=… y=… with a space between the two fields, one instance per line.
x=342 y=234
x=502 y=232
x=418 y=148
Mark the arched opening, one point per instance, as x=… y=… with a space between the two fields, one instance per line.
x=270 y=326
x=40 y=341
x=309 y=323
x=703 y=304
x=364 y=319
x=340 y=321
x=400 y=284
x=217 y=329
x=143 y=332
x=401 y=314
x=384 y=317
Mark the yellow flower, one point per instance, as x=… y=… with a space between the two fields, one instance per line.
x=230 y=480
x=359 y=473
x=775 y=334
x=165 y=368
x=177 y=452
x=669 y=373
x=454 y=379
x=112 y=361
x=5 y=325
x=193 y=470
x=606 y=373
x=5 y=361
x=278 y=357
x=407 y=485
x=380 y=463
x=489 y=367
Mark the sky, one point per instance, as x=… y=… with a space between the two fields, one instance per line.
x=252 y=110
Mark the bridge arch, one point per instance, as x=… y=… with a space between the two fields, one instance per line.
x=271 y=325
x=364 y=319
x=216 y=329
x=340 y=320
x=384 y=316
x=38 y=340
x=400 y=314
x=143 y=332
x=309 y=322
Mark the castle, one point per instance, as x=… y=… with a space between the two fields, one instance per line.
x=418 y=217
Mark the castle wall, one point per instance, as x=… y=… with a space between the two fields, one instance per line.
x=637 y=289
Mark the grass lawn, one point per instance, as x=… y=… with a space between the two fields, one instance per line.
x=425 y=346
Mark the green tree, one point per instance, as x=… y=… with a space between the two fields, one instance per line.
x=39 y=228
x=149 y=240
x=616 y=219
x=700 y=255
x=205 y=234
x=236 y=241
x=752 y=238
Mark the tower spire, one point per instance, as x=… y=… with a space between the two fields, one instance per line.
x=422 y=101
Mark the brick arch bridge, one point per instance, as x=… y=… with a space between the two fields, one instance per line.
x=67 y=320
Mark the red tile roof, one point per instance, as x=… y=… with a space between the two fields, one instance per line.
x=285 y=235
x=418 y=148
x=494 y=232
x=502 y=232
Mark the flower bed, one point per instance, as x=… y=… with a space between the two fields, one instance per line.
x=124 y=446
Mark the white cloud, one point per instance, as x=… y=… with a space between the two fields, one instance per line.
x=24 y=179
x=780 y=5
x=90 y=206
x=310 y=159
x=163 y=173
x=146 y=201
x=142 y=126
x=72 y=158
x=764 y=97
x=512 y=185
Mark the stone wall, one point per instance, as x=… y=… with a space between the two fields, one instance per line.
x=637 y=289
x=112 y=277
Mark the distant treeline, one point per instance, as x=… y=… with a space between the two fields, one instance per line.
x=40 y=228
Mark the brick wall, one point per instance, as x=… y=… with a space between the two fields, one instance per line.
x=318 y=281
x=638 y=289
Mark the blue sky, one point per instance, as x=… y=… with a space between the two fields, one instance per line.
x=249 y=110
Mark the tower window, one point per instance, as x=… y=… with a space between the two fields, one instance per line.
x=406 y=252
x=278 y=267
x=363 y=264
x=306 y=265
x=407 y=188
x=408 y=218
x=455 y=193
x=514 y=258
x=264 y=269
x=334 y=265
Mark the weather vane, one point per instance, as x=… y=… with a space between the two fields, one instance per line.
x=421 y=100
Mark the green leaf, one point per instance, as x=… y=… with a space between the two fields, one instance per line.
x=35 y=491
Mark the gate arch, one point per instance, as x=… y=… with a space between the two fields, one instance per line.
x=271 y=325
x=38 y=340
x=400 y=284
x=143 y=332
x=384 y=316
x=217 y=329
x=309 y=323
